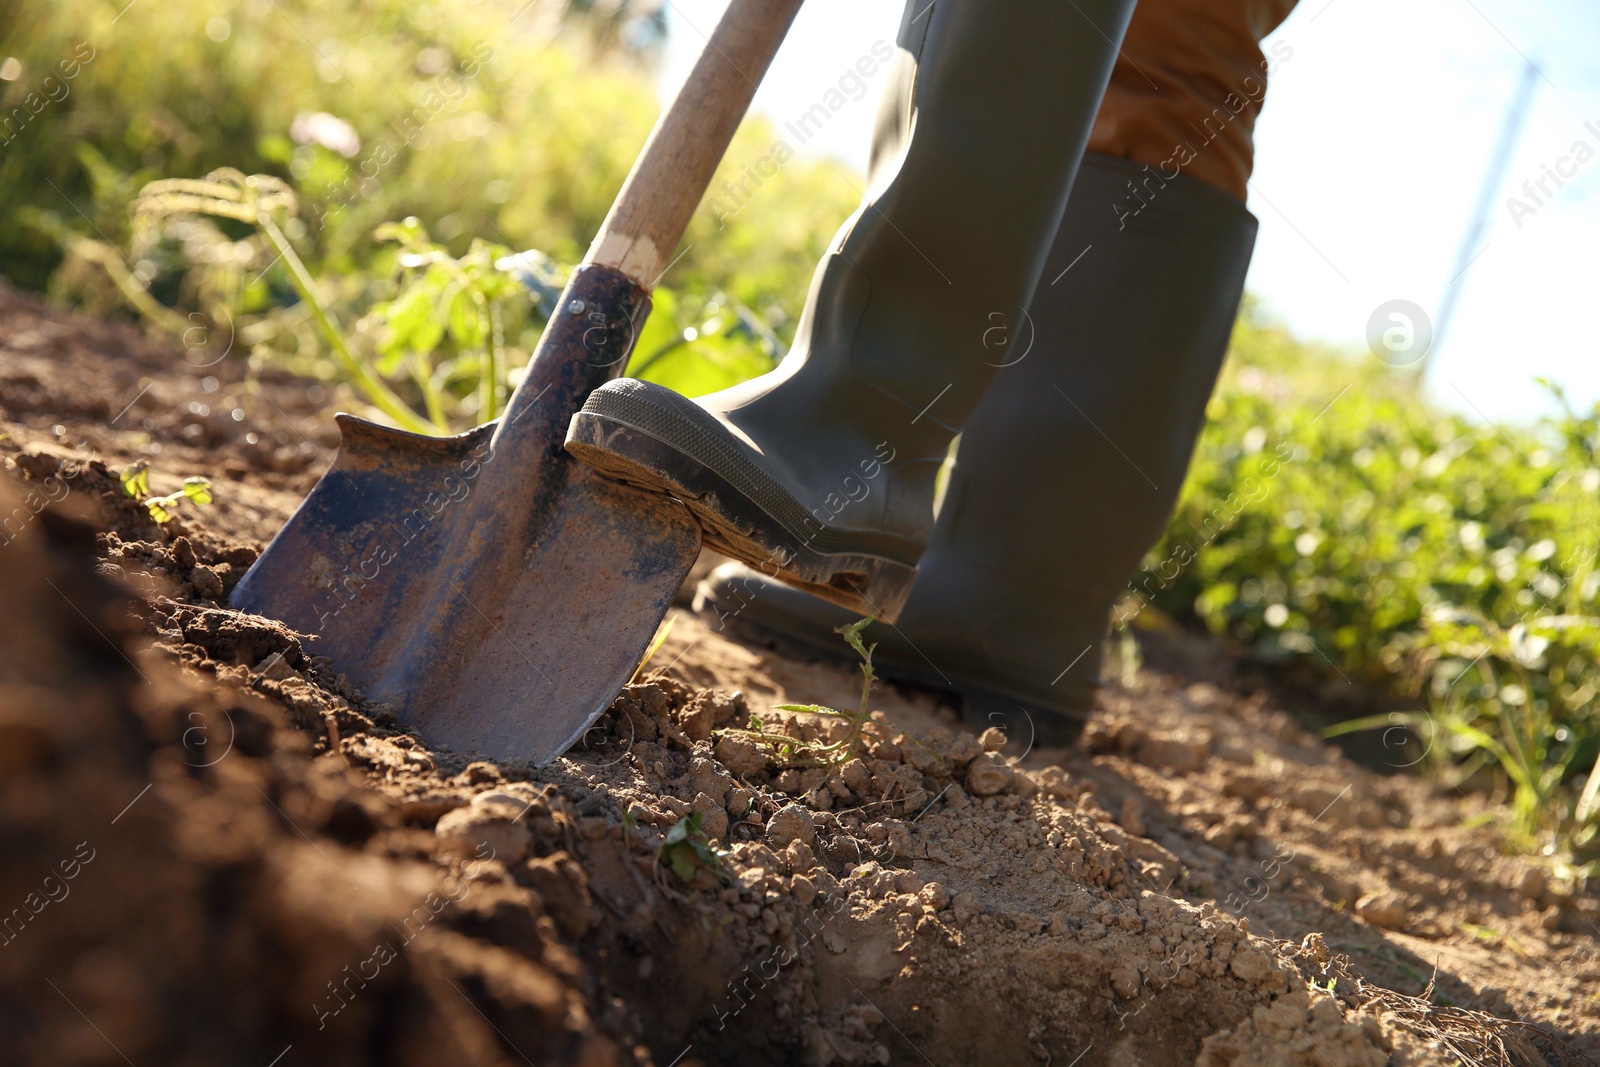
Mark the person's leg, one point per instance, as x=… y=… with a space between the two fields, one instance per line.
x=1188 y=86
x=822 y=472
x=1069 y=469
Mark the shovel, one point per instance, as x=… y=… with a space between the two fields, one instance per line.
x=492 y=589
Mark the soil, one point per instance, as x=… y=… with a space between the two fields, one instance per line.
x=218 y=852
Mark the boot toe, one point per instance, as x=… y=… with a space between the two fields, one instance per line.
x=757 y=608
x=1027 y=724
x=648 y=436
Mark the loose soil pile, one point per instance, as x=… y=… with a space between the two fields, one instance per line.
x=218 y=852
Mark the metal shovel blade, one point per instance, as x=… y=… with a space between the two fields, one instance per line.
x=491 y=588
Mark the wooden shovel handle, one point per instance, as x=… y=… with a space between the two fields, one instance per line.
x=672 y=173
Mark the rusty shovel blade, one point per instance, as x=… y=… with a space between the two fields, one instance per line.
x=491 y=588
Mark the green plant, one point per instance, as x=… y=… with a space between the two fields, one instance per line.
x=1520 y=698
x=686 y=849
x=402 y=108
x=265 y=203
x=437 y=354
x=1336 y=521
x=135 y=483
x=858 y=724
x=449 y=322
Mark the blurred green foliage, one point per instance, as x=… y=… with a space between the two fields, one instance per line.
x=424 y=172
x=498 y=121
x=1333 y=516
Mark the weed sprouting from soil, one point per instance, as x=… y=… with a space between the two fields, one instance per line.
x=687 y=850
x=135 y=481
x=858 y=723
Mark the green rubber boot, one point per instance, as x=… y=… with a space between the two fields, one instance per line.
x=821 y=473
x=1069 y=469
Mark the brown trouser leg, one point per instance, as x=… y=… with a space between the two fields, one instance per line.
x=1188 y=85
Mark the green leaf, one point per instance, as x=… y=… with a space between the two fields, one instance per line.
x=661 y=330
x=465 y=318
x=408 y=231
x=275 y=148
x=135 y=480
x=852 y=637
x=683 y=864
x=1373 y=722
x=809 y=709
x=197 y=490
x=413 y=325
x=685 y=849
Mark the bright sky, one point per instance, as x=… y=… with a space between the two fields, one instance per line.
x=1375 y=140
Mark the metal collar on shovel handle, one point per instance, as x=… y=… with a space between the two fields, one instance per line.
x=493 y=590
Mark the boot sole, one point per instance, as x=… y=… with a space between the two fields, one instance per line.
x=732 y=522
x=980 y=705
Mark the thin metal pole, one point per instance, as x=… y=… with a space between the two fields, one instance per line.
x=1492 y=178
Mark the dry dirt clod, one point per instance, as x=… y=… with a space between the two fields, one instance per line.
x=988 y=774
x=790 y=823
x=713 y=816
x=800 y=857
x=206 y=582
x=561 y=883
x=1176 y=753
x=856 y=776
x=707 y=777
x=935 y=896
x=803 y=890
x=709 y=709
x=1314 y=947
x=1384 y=909
x=1125 y=980
x=741 y=756
x=1132 y=816
x=490 y=827
x=1252 y=965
